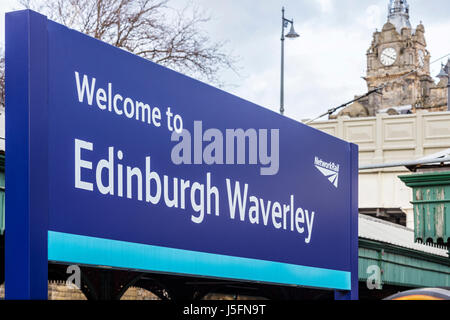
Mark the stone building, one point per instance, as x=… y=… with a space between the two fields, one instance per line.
x=408 y=120
x=439 y=93
x=398 y=62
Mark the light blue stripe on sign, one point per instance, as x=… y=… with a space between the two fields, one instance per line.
x=70 y=248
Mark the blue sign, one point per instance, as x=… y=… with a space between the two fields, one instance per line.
x=116 y=161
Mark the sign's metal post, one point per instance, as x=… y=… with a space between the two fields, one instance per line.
x=26 y=264
x=353 y=294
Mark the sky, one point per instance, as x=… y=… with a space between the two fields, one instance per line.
x=323 y=68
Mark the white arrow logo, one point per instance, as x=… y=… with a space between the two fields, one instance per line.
x=333 y=176
x=329 y=170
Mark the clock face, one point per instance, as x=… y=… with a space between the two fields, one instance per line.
x=421 y=58
x=388 y=56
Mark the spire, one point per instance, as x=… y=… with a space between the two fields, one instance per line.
x=398 y=14
x=443 y=73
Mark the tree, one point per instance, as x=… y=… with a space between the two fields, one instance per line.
x=148 y=28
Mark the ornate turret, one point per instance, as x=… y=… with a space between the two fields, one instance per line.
x=398 y=14
x=443 y=77
x=443 y=73
x=394 y=53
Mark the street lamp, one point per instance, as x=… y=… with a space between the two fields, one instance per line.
x=291 y=35
x=448 y=85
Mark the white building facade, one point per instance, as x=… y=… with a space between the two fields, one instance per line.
x=386 y=139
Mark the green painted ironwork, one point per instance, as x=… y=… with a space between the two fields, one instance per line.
x=431 y=201
x=401 y=266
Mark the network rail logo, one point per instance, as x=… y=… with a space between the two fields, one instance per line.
x=329 y=170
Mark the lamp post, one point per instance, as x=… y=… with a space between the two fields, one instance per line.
x=291 y=35
x=448 y=85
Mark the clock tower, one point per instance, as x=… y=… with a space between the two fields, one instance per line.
x=398 y=56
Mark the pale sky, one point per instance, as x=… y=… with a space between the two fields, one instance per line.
x=324 y=66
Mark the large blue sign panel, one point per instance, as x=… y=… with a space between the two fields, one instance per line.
x=117 y=161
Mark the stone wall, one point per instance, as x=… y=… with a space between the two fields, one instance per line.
x=57 y=290
x=134 y=293
x=438 y=95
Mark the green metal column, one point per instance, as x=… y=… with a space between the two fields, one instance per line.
x=431 y=201
x=402 y=266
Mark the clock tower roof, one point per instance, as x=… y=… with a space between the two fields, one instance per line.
x=442 y=74
x=398 y=14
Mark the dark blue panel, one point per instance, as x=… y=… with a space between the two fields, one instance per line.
x=26 y=164
x=83 y=212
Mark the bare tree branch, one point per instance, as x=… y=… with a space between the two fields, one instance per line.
x=146 y=28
